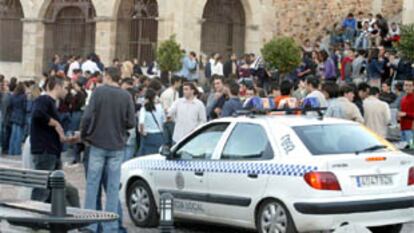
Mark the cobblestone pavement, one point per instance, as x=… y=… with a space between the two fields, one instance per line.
x=75 y=176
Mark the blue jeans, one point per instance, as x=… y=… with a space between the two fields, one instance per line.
x=27 y=126
x=65 y=120
x=16 y=138
x=349 y=34
x=129 y=152
x=150 y=143
x=75 y=120
x=104 y=163
x=407 y=136
x=362 y=42
x=74 y=126
x=5 y=137
x=168 y=131
x=99 y=195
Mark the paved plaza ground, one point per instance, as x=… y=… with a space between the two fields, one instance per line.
x=75 y=175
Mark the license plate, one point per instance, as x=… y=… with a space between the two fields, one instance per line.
x=375 y=180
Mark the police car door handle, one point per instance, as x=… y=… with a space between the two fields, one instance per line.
x=253 y=176
x=199 y=173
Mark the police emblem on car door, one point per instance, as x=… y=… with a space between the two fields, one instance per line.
x=185 y=175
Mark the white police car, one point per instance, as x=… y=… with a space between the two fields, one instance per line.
x=276 y=174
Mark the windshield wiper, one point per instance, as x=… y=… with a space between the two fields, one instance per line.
x=370 y=149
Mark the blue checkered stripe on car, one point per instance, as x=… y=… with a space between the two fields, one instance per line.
x=226 y=167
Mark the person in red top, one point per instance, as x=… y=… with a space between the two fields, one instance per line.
x=346 y=66
x=406 y=114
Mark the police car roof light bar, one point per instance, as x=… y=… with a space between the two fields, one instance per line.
x=292 y=111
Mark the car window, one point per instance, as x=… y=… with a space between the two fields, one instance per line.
x=202 y=144
x=336 y=139
x=247 y=141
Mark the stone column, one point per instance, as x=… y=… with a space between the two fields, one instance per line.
x=33 y=42
x=165 y=26
x=191 y=34
x=408 y=12
x=185 y=25
x=105 y=38
x=253 y=41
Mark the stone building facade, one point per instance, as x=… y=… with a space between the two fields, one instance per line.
x=37 y=29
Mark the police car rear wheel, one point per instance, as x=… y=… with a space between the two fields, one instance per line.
x=273 y=217
x=387 y=229
x=141 y=205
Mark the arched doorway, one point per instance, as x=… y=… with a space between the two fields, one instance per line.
x=137 y=30
x=69 y=28
x=11 y=30
x=223 y=30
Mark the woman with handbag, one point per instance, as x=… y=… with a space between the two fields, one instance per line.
x=151 y=120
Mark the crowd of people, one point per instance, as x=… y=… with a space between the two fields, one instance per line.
x=110 y=114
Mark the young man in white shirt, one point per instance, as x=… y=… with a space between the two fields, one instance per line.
x=314 y=95
x=348 y=109
x=377 y=113
x=168 y=97
x=188 y=112
x=171 y=94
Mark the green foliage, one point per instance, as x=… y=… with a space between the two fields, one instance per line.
x=406 y=45
x=169 y=55
x=282 y=53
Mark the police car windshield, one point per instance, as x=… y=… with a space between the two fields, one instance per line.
x=336 y=139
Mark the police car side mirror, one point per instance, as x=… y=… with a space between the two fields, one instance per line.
x=165 y=151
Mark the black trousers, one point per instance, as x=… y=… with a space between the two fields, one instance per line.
x=49 y=162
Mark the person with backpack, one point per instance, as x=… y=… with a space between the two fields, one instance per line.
x=151 y=121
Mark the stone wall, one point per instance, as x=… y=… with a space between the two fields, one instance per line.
x=308 y=19
x=264 y=20
x=408 y=12
x=391 y=8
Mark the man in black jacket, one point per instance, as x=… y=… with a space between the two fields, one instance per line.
x=231 y=67
x=46 y=134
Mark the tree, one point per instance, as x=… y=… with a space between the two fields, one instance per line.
x=406 y=44
x=169 y=55
x=282 y=53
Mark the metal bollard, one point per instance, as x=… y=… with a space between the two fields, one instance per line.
x=58 y=205
x=166 y=213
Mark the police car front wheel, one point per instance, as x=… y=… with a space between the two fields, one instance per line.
x=274 y=217
x=141 y=205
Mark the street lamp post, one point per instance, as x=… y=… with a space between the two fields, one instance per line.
x=166 y=213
